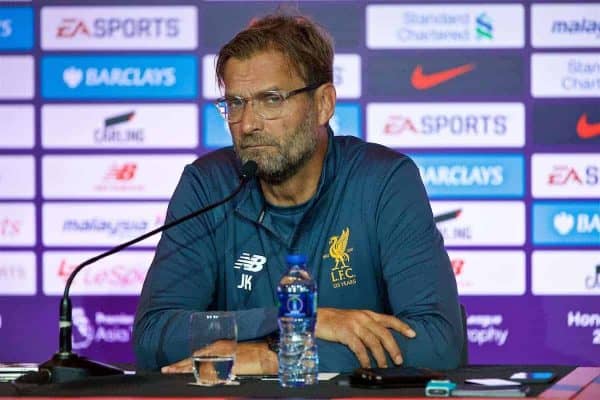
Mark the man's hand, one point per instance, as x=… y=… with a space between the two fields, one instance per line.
x=363 y=331
x=250 y=359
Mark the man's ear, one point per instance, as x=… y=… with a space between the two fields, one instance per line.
x=325 y=98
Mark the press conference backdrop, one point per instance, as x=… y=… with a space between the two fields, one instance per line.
x=103 y=103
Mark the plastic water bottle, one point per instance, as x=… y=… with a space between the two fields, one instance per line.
x=297 y=292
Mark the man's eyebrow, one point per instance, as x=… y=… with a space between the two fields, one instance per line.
x=269 y=89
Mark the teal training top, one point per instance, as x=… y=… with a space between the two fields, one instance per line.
x=368 y=234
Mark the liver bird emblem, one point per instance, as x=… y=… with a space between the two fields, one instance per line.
x=337 y=249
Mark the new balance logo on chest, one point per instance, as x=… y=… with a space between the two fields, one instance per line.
x=249 y=263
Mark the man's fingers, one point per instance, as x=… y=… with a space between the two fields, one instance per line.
x=373 y=343
x=396 y=324
x=385 y=337
x=359 y=349
x=182 y=366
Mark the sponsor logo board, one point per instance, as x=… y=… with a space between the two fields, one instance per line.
x=420 y=76
x=565 y=223
x=120 y=274
x=120 y=126
x=17 y=128
x=119 y=77
x=17 y=224
x=16 y=28
x=488 y=273
x=347 y=76
x=444 y=125
x=565 y=25
x=471 y=175
x=17 y=273
x=445 y=26
x=17 y=177
x=16 y=77
x=100 y=224
x=577 y=271
x=119 y=28
x=114 y=176
x=565 y=75
x=565 y=175
x=568 y=123
x=472 y=221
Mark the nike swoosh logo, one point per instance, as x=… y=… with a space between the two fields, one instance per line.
x=422 y=81
x=585 y=130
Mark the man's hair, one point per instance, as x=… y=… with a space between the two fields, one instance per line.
x=307 y=46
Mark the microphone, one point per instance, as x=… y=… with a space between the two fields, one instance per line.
x=67 y=366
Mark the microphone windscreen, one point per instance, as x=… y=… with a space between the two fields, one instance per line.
x=248 y=170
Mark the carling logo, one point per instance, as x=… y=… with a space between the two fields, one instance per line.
x=470 y=175
x=446 y=124
x=468 y=222
x=566 y=223
x=16 y=28
x=565 y=175
x=172 y=76
x=120 y=126
x=122 y=274
x=565 y=75
x=484 y=329
x=565 y=25
x=100 y=224
x=581 y=278
x=445 y=26
x=119 y=27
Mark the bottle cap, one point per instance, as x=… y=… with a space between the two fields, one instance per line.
x=295 y=259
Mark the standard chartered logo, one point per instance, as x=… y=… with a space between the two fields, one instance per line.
x=484 y=28
x=123 y=77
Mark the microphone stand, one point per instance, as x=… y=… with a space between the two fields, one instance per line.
x=65 y=366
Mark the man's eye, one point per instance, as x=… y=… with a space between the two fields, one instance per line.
x=271 y=99
x=235 y=103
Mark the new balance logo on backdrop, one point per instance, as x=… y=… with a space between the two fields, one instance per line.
x=173 y=76
x=119 y=27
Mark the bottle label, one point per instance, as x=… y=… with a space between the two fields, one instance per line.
x=297 y=304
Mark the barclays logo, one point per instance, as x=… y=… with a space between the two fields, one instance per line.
x=471 y=176
x=16 y=28
x=139 y=77
x=119 y=77
x=566 y=223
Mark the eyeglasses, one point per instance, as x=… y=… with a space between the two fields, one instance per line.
x=267 y=105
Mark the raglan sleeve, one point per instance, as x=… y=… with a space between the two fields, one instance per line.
x=420 y=282
x=182 y=280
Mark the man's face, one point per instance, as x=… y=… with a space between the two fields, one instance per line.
x=279 y=146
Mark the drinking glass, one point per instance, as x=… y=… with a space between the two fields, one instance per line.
x=213 y=341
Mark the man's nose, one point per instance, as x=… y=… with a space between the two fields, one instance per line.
x=250 y=121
